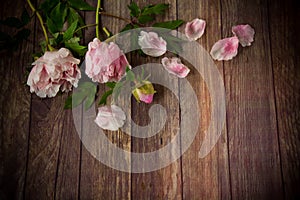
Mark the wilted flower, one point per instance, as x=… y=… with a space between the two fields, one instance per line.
x=145 y=92
x=54 y=70
x=225 y=49
x=105 y=62
x=245 y=34
x=151 y=44
x=174 y=66
x=110 y=117
x=195 y=29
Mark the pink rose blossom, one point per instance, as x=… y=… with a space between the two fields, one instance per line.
x=54 y=70
x=144 y=93
x=174 y=66
x=110 y=117
x=245 y=34
x=195 y=29
x=105 y=62
x=225 y=49
x=151 y=44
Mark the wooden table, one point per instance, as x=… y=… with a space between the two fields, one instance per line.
x=256 y=157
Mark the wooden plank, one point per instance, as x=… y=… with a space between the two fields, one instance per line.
x=251 y=115
x=98 y=181
x=284 y=31
x=14 y=109
x=164 y=183
x=208 y=177
x=54 y=148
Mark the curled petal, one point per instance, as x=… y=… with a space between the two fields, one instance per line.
x=144 y=93
x=110 y=117
x=245 y=34
x=105 y=62
x=225 y=49
x=151 y=44
x=53 y=71
x=174 y=66
x=195 y=29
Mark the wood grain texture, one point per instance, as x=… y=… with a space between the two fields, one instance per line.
x=164 y=183
x=97 y=180
x=284 y=31
x=54 y=147
x=205 y=178
x=14 y=109
x=251 y=116
x=256 y=157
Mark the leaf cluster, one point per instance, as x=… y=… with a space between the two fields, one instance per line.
x=64 y=22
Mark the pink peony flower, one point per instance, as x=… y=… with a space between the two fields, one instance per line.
x=110 y=117
x=105 y=62
x=225 y=49
x=174 y=66
x=54 y=70
x=195 y=29
x=245 y=34
x=144 y=93
x=151 y=44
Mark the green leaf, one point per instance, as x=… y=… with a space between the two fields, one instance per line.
x=111 y=84
x=25 y=18
x=117 y=90
x=169 y=24
x=80 y=5
x=155 y=9
x=48 y=5
x=70 y=31
x=68 y=103
x=145 y=18
x=51 y=26
x=104 y=97
x=130 y=76
x=126 y=28
x=12 y=22
x=58 y=15
x=75 y=16
x=85 y=91
x=75 y=46
x=134 y=9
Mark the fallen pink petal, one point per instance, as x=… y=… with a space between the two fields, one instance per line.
x=174 y=66
x=110 y=117
x=151 y=44
x=195 y=29
x=245 y=34
x=225 y=49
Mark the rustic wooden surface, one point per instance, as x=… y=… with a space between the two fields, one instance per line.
x=256 y=157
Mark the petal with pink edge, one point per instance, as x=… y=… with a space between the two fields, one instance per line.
x=195 y=29
x=225 y=49
x=174 y=66
x=245 y=34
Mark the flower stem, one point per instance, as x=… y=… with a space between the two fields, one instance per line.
x=118 y=17
x=106 y=31
x=42 y=24
x=86 y=26
x=97 y=18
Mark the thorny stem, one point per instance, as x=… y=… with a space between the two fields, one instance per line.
x=42 y=24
